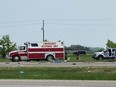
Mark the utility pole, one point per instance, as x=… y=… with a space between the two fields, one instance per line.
x=43 y=30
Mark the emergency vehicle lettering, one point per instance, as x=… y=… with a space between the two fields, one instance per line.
x=49 y=45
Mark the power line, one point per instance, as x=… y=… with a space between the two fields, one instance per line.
x=38 y=20
x=63 y=22
x=97 y=19
x=81 y=24
x=19 y=21
x=15 y=25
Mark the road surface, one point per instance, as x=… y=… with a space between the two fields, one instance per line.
x=56 y=64
x=56 y=83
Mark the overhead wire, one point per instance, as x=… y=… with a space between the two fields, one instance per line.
x=18 y=25
x=64 y=22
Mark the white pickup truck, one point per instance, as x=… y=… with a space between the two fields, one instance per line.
x=109 y=53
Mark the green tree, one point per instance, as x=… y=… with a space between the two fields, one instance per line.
x=110 y=44
x=6 y=45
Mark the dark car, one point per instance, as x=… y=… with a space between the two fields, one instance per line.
x=79 y=52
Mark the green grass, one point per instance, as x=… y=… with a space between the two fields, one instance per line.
x=86 y=58
x=82 y=58
x=4 y=60
x=77 y=73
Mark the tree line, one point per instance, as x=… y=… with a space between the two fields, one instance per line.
x=77 y=47
x=109 y=44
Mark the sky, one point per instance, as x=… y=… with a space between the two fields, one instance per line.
x=86 y=22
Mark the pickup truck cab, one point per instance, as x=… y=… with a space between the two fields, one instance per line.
x=109 y=53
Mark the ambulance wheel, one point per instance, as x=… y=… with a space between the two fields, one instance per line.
x=16 y=59
x=50 y=58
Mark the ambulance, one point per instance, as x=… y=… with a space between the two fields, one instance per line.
x=36 y=51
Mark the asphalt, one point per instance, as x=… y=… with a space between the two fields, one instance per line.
x=56 y=83
x=57 y=64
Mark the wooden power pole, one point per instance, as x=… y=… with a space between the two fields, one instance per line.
x=43 y=30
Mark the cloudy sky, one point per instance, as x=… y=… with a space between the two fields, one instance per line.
x=85 y=22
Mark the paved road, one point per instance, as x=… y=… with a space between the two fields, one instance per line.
x=56 y=83
x=50 y=64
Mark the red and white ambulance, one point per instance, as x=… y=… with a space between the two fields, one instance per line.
x=42 y=50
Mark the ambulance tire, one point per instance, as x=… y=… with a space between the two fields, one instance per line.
x=50 y=58
x=15 y=59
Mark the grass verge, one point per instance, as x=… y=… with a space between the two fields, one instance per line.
x=62 y=73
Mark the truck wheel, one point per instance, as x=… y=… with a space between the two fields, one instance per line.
x=16 y=59
x=100 y=57
x=50 y=58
